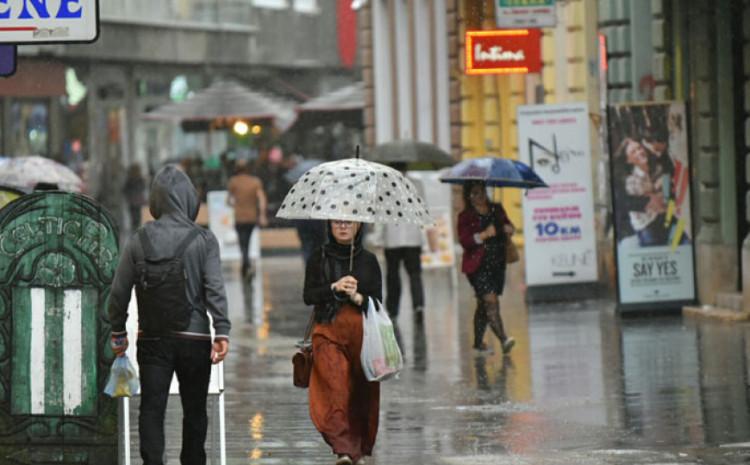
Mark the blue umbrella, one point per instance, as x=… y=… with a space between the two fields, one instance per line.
x=495 y=172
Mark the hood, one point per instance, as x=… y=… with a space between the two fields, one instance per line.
x=172 y=193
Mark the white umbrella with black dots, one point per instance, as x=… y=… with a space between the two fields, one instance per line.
x=355 y=190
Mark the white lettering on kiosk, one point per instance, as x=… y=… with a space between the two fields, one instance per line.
x=497 y=53
x=38 y=9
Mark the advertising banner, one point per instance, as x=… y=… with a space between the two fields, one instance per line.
x=50 y=21
x=559 y=234
x=526 y=13
x=221 y=222
x=651 y=203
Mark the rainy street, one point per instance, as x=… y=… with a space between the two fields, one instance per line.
x=580 y=387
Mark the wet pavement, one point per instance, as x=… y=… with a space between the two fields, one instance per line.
x=582 y=386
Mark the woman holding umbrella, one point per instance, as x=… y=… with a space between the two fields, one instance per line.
x=340 y=278
x=344 y=406
x=484 y=229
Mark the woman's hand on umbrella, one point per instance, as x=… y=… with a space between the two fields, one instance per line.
x=509 y=229
x=346 y=285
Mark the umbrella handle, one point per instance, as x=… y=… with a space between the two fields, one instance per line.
x=351 y=254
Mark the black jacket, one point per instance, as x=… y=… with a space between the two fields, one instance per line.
x=325 y=268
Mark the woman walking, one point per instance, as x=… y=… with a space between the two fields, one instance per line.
x=344 y=406
x=484 y=229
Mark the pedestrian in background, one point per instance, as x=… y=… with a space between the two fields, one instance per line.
x=344 y=406
x=402 y=243
x=174 y=334
x=312 y=235
x=135 y=194
x=248 y=198
x=484 y=230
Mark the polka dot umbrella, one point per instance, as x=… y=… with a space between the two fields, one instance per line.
x=355 y=190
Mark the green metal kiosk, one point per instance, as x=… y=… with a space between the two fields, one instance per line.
x=58 y=254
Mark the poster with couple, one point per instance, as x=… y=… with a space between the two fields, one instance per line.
x=650 y=168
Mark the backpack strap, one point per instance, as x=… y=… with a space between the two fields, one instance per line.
x=146 y=246
x=186 y=242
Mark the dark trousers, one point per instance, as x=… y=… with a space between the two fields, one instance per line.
x=158 y=360
x=244 y=233
x=411 y=256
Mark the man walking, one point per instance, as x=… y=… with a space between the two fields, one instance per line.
x=402 y=243
x=175 y=267
x=247 y=197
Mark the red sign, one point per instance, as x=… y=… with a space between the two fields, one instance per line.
x=504 y=51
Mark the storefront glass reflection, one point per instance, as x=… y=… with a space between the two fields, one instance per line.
x=30 y=126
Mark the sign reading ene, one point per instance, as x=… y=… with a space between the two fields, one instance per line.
x=526 y=13
x=48 y=21
x=508 y=51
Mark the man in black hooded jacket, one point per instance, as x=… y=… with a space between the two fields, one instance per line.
x=188 y=353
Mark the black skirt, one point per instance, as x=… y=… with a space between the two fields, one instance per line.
x=488 y=279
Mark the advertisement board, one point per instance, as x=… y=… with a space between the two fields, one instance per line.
x=508 y=51
x=526 y=13
x=559 y=234
x=650 y=172
x=50 y=21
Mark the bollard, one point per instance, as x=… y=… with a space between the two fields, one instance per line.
x=58 y=254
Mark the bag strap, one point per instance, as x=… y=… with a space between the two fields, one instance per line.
x=308 y=330
x=146 y=246
x=186 y=242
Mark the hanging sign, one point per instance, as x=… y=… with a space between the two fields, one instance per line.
x=509 y=51
x=559 y=234
x=7 y=60
x=50 y=21
x=650 y=172
x=525 y=13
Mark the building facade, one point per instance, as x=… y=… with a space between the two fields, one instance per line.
x=84 y=103
x=697 y=52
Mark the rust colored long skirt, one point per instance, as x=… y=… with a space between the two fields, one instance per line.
x=344 y=406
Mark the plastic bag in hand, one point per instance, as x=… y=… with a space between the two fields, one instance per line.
x=123 y=381
x=381 y=356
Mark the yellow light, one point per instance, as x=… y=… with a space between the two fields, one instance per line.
x=256 y=129
x=240 y=128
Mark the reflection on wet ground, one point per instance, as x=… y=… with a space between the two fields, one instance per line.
x=581 y=386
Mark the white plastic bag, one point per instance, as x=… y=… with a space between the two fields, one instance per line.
x=380 y=356
x=123 y=381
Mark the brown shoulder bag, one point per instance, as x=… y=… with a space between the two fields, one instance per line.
x=302 y=361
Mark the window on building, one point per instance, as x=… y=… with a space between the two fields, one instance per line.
x=306 y=6
x=273 y=4
x=30 y=128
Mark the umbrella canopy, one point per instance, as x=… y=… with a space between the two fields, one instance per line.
x=411 y=151
x=355 y=190
x=301 y=168
x=226 y=100
x=496 y=172
x=347 y=98
x=26 y=173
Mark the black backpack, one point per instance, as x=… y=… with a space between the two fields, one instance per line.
x=161 y=287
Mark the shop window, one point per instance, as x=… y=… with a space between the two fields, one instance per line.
x=30 y=128
x=272 y=4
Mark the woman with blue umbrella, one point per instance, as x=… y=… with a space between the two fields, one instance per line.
x=484 y=231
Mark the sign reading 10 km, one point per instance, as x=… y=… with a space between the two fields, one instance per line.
x=48 y=21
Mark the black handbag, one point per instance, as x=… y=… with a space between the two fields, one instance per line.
x=302 y=360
